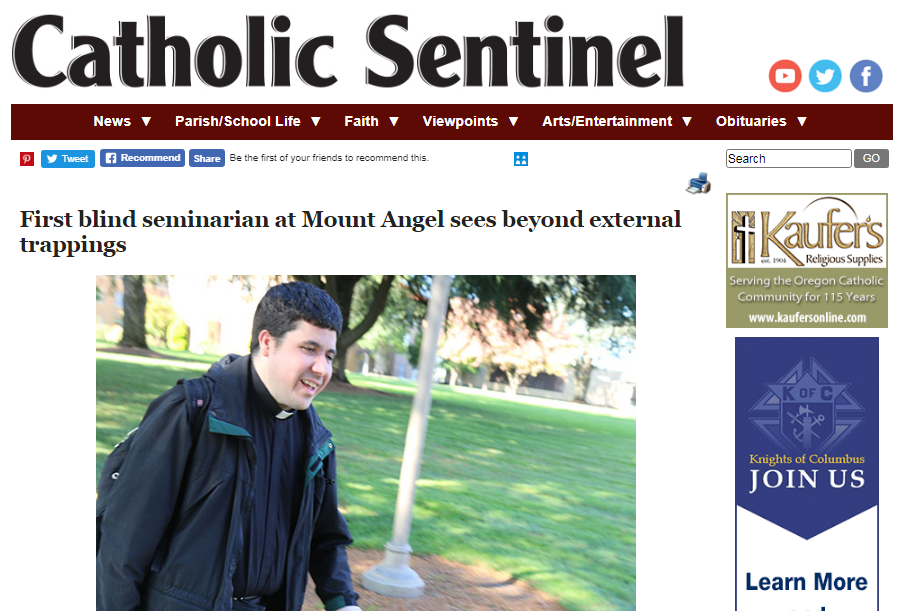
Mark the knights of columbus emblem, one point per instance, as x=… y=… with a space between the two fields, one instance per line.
x=807 y=411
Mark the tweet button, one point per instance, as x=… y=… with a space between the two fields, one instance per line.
x=68 y=158
x=785 y=76
x=825 y=75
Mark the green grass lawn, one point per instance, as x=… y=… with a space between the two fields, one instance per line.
x=191 y=357
x=548 y=495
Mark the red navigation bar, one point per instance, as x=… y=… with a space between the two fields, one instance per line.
x=451 y=122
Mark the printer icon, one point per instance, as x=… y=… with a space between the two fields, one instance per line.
x=699 y=184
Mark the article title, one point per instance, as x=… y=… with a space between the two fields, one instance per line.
x=218 y=60
x=309 y=219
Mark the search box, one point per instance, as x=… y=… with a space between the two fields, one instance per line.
x=789 y=158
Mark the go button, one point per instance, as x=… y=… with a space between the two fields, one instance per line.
x=870 y=158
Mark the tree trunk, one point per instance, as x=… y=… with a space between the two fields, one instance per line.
x=134 y=313
x=582 y=371
x=513 y=383
x=453 y=377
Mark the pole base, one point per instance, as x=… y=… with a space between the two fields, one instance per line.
x=393 y=577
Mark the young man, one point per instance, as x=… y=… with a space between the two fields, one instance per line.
x=229 y=509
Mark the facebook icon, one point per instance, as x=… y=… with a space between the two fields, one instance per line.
x=866 y=76
x=111 y=157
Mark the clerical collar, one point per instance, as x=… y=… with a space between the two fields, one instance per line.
x=262 y=397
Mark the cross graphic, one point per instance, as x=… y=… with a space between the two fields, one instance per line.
x=744 y=233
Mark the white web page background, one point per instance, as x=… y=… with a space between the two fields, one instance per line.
x=685 y=422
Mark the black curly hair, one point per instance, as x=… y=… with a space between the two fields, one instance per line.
x=284 y=305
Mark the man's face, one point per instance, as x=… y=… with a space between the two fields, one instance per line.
x=297 y=366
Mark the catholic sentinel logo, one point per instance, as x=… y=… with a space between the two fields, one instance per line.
x=806 y=231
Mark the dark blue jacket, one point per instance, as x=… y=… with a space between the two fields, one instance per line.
x=172 y=526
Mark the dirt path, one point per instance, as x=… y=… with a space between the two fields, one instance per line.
x=450 y=586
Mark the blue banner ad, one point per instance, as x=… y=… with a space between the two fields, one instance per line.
x=807 y=474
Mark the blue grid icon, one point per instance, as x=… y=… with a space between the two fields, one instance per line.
x=520 y=158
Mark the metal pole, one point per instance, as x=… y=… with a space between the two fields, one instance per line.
x=393 y=577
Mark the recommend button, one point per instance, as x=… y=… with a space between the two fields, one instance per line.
x=142 y=158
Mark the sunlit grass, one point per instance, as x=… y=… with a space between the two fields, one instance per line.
x=546 y=494
x=172 y=354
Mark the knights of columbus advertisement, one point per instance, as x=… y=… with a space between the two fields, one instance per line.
x=807 y=473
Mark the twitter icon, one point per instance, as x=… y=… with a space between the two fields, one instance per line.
x=825 y=75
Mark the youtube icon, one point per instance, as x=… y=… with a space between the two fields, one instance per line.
x=785 y=75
